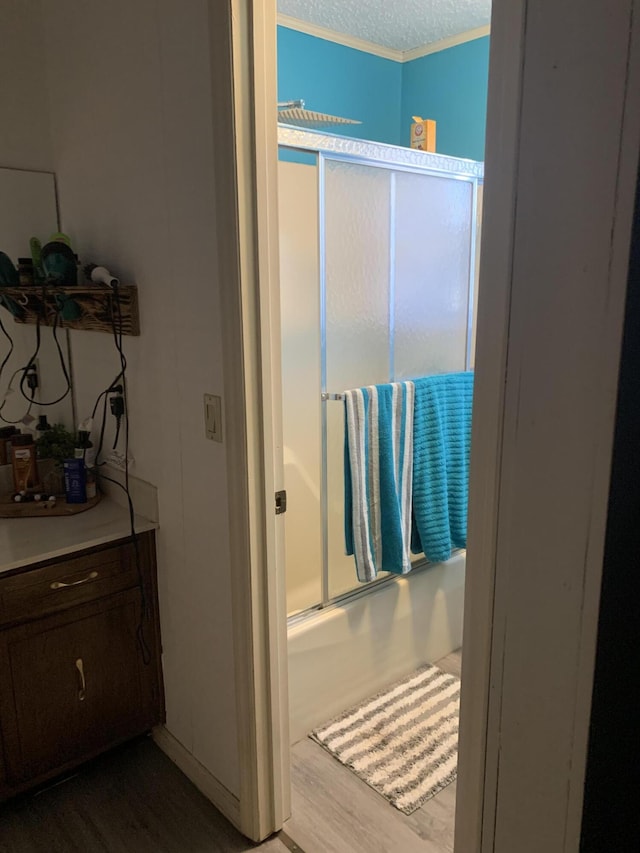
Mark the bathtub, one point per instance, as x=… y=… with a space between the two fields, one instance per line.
x=346 y=653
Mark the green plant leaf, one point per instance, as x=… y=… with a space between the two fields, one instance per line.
x=56 y=443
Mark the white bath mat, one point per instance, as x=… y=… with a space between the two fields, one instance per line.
x=404 y=741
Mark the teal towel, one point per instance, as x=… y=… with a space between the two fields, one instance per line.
x=378 y=476
x=442 y=439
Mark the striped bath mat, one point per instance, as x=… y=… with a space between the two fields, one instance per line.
x=404 y=741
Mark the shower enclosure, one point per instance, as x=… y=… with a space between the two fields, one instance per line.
x=378 y=249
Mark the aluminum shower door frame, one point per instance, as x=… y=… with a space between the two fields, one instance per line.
x=328 y=147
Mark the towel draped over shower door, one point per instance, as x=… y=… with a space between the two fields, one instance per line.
x=442 y=443
x=378 y=475
x=407 y=471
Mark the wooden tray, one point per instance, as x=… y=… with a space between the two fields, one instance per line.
x=10 y=509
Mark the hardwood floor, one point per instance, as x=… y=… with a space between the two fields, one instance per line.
x=333 y=811
x=133 y=800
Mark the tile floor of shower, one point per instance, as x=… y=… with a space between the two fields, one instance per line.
x=333 y=811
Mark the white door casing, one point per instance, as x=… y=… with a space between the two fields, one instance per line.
x=243 y=57
x=561 y=167
x=561 y=160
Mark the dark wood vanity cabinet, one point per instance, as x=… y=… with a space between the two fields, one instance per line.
x=79 y=660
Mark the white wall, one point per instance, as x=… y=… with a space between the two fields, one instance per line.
x=25 y=140
x=131 y=128
x=28 y=208
x=27 y=199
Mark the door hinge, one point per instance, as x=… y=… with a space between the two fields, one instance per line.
x=281 y=502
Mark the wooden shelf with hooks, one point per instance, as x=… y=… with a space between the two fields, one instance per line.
x=97 y=304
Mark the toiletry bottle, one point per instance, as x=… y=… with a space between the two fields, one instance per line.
x=6 y=434
x=23 y=459
x=43 y=424
x=75 y=481
x=86 y=451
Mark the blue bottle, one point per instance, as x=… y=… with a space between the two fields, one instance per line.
x=75 y=481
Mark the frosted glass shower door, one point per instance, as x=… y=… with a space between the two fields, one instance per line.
x=433 y=231
x=398 y=254
x=357 y=261
x=300 y=329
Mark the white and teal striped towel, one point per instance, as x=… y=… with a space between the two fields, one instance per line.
x=378 y=477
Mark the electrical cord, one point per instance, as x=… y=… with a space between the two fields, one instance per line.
x=65 y=372
x=144 y=648
x=119 y=386
x=32 y=358
x=117 y=435
x=19 y=420
x=9 y=354
x=103 y=395
x=4 y=402
x=117 y=337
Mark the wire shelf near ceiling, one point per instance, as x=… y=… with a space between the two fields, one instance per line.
x=294 y=112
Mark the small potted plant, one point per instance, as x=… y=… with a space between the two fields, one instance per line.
x=55 y=444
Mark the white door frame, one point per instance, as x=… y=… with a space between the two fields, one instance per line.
x=243 y=75
x=519 y=760
x=549 y=336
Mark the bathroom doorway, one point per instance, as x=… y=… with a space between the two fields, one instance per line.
x=378 y=250
x=501 y=584
x=379 y=253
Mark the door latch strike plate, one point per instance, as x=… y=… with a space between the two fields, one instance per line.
x=281 y=502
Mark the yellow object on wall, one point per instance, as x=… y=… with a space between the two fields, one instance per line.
x=423 y=134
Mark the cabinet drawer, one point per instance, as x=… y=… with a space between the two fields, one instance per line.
x=77 y=688
x=39 y=592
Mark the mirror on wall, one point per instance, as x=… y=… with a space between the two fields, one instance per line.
x=28 y=208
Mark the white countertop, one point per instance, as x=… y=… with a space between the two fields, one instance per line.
x=31 y=540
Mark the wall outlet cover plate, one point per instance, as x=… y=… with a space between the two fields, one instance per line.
x=213 y=417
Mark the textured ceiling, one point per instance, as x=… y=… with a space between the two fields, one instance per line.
x=399 y=24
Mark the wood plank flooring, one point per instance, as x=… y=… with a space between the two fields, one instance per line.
x=333 y=811
x=133 y=800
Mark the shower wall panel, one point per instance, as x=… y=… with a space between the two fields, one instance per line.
x=300 y=320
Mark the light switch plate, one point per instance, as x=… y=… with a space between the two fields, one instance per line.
x=213 y=417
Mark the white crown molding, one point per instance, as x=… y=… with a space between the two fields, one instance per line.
x=339 y=38
x=377 y=49
x=444 y=44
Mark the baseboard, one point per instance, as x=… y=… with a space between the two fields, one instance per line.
x=214 y=791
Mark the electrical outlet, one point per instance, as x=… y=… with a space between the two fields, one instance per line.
x=118 y=460
x=33 y=371
x=213 y=417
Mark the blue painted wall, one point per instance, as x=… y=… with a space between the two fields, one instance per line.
x=332 y=78
x=451 y=87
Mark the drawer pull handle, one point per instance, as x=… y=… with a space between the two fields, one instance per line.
x=60 y=584
x=83 y=686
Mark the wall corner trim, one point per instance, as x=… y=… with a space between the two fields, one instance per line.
x=339 y=38
x=205 y=782
x=394 y=54
x=445 y=44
